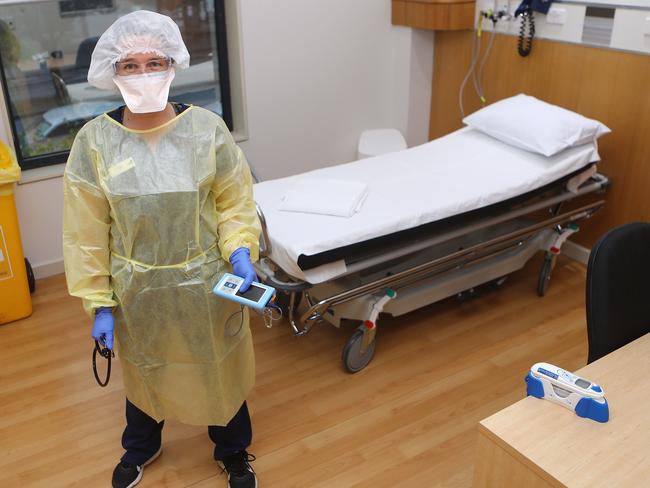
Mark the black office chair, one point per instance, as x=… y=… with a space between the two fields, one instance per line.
x=78 y=73
x=84 y=52
x=618 y=289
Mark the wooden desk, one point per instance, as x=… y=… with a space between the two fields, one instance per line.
x=536 y=443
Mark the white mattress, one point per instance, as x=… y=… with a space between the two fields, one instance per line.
x=459 y=172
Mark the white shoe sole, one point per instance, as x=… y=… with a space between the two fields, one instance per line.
x=149 y=461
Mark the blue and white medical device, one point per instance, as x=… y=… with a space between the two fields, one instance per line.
x=584 y=397
x=257 y=296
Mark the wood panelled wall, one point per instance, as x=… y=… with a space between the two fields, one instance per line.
x=611 y=86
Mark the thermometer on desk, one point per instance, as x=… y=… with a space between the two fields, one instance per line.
x=584 y=397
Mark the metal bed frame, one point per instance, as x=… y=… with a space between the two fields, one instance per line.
x=467 y=253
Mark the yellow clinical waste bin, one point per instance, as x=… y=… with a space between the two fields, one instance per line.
x=15 y=300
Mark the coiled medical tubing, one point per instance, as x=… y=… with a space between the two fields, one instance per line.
x=476 y=55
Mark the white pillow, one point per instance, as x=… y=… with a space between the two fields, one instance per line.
x=536 y=126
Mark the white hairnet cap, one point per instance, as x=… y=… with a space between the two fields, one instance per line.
x=142 y=31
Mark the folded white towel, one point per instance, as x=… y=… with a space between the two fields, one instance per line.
x=340 y=198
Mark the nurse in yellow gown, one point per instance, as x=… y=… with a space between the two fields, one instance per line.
x=157 y=199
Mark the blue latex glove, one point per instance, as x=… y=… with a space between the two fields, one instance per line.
x=242 y=267
x=103 y=326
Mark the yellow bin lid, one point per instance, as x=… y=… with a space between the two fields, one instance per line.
x=9 y=169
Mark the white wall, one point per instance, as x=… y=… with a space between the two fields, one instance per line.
x=316 y=74
x=40 y=209
x=319 y=73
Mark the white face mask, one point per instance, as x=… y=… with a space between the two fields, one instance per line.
x=146 y=92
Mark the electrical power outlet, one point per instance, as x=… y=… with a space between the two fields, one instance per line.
x=646 y=26
x=556 y=15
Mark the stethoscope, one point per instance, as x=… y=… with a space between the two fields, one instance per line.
x=106 y=353
x=271 y=314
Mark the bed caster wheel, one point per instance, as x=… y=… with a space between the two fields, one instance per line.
x=354 y=360
x=31 y=280
x=545 y=274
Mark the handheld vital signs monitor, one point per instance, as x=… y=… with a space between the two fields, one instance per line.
x=257 y=296
x=584 y=397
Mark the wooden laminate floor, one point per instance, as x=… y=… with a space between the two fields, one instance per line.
x=409 y=419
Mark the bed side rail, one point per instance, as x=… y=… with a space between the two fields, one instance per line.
x=265 y=242
x=318 y=309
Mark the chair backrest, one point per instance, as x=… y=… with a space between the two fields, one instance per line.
x=85 y=51
x=618 y=289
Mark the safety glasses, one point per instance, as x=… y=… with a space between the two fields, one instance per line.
x=157 y=65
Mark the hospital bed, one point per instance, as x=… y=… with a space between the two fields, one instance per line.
x=439 y=220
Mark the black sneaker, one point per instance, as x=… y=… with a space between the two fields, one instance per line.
x=126 y=475
x=240 y=472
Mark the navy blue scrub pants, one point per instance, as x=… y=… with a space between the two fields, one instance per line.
x=142 y=435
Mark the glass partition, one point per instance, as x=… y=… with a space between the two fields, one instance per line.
x=45 y=50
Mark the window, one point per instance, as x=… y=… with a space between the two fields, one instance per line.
x=45 y=50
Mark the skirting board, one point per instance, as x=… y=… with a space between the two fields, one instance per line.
x=576 y=252
x=48 y=268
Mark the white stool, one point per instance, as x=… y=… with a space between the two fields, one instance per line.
x=380 y=141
